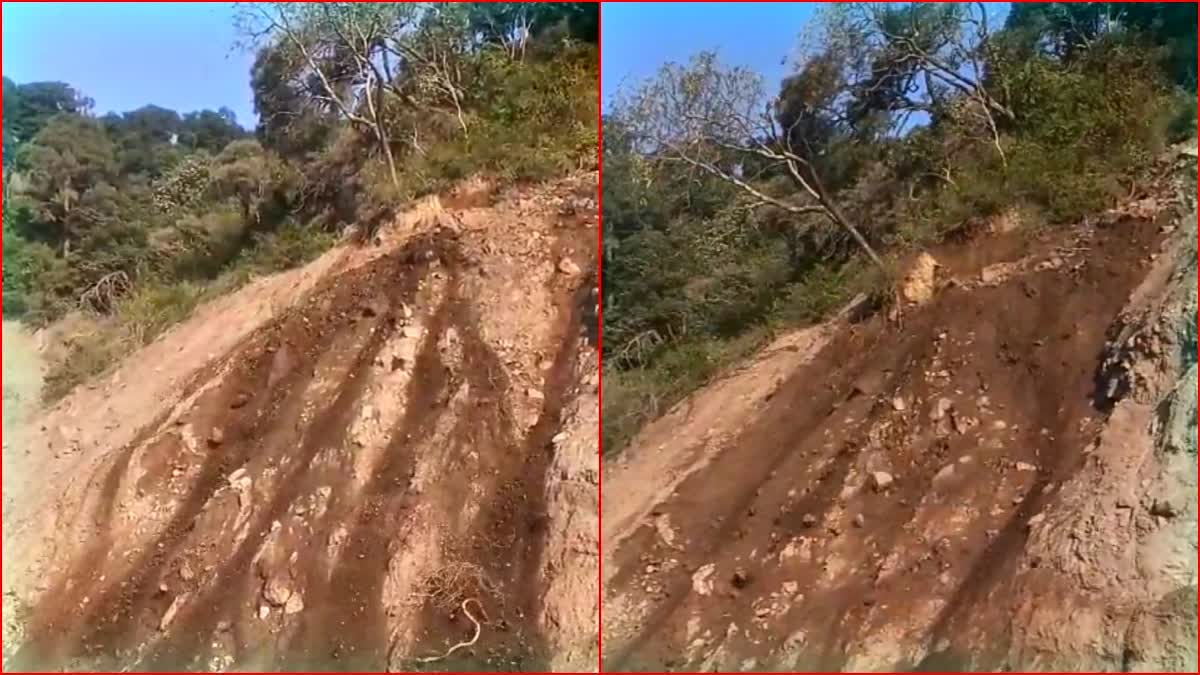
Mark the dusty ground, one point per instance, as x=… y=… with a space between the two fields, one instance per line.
x=22 y=388
x=347 y=466
x=985 y=484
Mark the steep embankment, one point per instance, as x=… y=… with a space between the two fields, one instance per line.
x=355 y=465
x=1005 y=479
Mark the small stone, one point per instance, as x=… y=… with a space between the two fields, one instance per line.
x=568 y=267
x=276 y=591
x=295 y=604
x=999 y=425
x=239 y=401
x=898 y=404
x=1025 y=466
x=944 y=473
x=962 y=423
x=881 y=480
x=263 y=612
x=169 y=615
x=535 y=394
x=940 y=409
x=741 y=578
x=859 y=520
x=795 y=640
x=216 y=436
x=808 y=520
x=1164 y=508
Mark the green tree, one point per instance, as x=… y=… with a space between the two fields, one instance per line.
x=342 y=56
x=253 y=177
x=28 y=107
x=68 y=157
x=287 y=123
x=209 y=130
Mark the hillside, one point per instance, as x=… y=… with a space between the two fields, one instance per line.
x=342 y=466
x=1002 y=477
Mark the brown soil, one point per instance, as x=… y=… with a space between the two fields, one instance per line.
x=328 y=492
x=760 y=539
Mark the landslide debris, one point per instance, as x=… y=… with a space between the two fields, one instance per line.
x=384 y=461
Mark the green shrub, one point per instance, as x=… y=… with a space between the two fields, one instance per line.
x=88 y=355
x=152 y=308
x=291 y=245
x=29 y=270
x=822 y=289
x=1183 y=121
x=633 y=397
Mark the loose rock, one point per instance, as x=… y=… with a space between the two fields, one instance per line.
x=881 y=480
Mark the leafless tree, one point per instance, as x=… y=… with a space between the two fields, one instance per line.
x=716 y=118
x=941 y=47
x=361 y=60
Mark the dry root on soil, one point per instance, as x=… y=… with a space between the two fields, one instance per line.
x=466 y=643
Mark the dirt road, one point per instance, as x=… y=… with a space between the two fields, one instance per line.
x=22 y=388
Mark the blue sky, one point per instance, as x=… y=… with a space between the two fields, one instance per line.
x=640 y=37
x=126 y=55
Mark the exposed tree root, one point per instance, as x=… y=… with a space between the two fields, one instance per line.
x=464 y=644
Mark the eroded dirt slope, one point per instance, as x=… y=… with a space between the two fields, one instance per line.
x=355 y=466
x=1003 y=479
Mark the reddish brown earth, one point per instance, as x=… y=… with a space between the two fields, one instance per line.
x=747 y=530
x=329 y=493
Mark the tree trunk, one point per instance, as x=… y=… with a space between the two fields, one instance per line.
x=836 y=216
x=386 y=146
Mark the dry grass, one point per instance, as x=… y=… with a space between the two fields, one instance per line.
x=452 y=584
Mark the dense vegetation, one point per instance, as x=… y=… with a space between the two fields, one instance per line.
x=729 y=213
x=129 y=220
